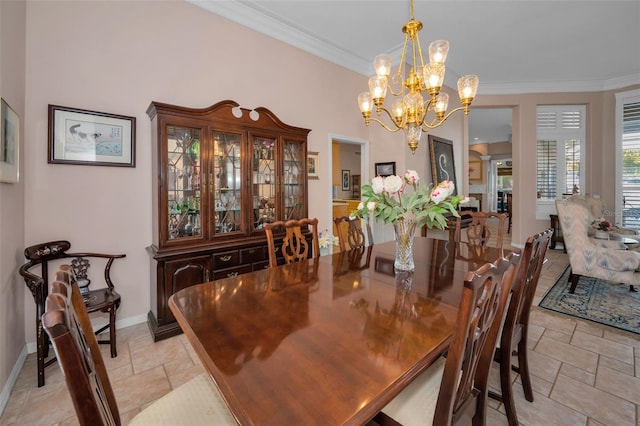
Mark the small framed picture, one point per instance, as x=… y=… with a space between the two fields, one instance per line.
x=78 y=136
x=475 y=170
x=9 y=144
x=386 y=169
x=346 y=180
x=312 y=165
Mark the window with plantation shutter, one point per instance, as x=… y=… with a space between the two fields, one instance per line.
x=559 y=162
x=628 y=159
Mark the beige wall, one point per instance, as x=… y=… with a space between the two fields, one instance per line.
x=12 y=208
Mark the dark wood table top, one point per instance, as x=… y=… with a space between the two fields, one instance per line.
x=326 y=341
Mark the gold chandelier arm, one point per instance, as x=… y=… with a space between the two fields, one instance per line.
x=436 y=122
x=380 y=122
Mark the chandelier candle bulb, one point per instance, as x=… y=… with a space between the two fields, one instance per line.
x=413 y=114
x=438 y=51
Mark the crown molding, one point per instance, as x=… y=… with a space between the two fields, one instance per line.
x=266 y=24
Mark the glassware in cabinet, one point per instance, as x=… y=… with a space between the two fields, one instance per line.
x=183 y=182
x=227 y=182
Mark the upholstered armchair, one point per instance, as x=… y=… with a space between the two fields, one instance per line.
x=604 y=259
x=597 y=210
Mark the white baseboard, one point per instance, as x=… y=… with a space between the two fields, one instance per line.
x=8 y=386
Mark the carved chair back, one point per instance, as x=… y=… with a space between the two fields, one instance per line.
x=354 y=237
x=516 y=325
x=470 y=354
x=295 y=246
x=479 y=229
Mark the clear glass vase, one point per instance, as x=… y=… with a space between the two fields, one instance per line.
x=405 y=230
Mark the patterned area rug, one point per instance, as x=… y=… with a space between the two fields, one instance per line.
x=596 y=300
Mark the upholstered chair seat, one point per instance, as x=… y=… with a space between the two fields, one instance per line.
x=604 y=259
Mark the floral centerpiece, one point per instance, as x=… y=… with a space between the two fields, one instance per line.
x=389 y=200
x=602 y=227
x=603 y=224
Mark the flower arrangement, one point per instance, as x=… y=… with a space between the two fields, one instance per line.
x=387 y=199
x=602 y=225
x=326 y=238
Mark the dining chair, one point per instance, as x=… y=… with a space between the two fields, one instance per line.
x=106 y=299
x=444 y=393
x=509 y=211
x=66 y=321
x=516 y=325
x=295 y=246
x=354 y=237
x=479 y=230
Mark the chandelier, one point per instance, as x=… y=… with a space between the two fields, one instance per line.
x=410 y=111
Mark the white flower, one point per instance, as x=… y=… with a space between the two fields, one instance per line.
x=360 y=206
x=377 y=183
x=371 y=206
x=411 y=177
x=393 y=184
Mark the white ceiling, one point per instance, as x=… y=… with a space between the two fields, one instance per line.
x=513 y=46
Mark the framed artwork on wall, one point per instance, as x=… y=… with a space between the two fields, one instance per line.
x=386 y=169
x=475 y=170
x=9 y=143
x=313 y=165
x=442 y=165
x=78 y=136
x=346 y=180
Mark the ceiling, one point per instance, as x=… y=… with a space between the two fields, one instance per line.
x=513 y=46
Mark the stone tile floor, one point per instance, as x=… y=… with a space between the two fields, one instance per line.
x=583 y=373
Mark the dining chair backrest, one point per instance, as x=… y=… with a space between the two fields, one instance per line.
x=66 y=320
x=516 y=325
x=354 y=237
x=295 y=246
x=480 y=318
x=479 y=229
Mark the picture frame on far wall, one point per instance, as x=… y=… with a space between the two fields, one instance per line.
x=386 y=169
x=313 y=164
x=346 y=180
x=9 y=144
x=475 y=170
x=442 y=164
x=83 y=137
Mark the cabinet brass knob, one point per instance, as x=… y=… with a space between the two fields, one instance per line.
x=225 y=258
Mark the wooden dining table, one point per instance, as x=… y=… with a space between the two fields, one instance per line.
x=329 y=340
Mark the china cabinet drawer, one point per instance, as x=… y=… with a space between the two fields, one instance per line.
x=231 y=272
x=226 y=259
x=253 y=254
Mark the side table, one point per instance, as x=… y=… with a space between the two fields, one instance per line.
x=557 y=233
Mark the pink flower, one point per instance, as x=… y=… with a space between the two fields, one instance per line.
x=411 y=177
x=442 y=191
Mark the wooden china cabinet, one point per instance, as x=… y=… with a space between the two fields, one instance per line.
x=219 y=174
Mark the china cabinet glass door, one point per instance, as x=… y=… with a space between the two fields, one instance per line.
x=264 y=177
x=227 y=183
x=294 y=180
x=184 y=168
